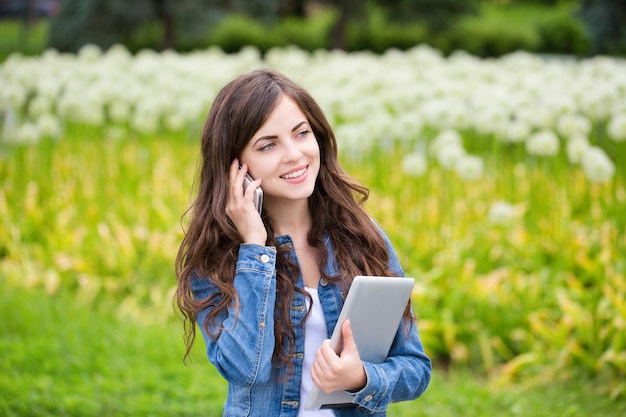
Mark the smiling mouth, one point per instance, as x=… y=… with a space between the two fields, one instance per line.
x=294 y=174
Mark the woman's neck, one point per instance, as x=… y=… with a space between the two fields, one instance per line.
x=293 y=218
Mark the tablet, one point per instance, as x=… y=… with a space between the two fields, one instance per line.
x=374 y=306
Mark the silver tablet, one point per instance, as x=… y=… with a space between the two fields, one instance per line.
x=374 y=306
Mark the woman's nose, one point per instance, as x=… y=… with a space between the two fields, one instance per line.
x=292 y=152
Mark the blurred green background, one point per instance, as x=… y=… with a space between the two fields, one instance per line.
x=492 y=135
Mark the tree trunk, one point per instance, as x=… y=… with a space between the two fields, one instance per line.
x=338 y=33
x=167 y=23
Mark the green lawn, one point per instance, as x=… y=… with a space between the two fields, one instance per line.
x=61 y=357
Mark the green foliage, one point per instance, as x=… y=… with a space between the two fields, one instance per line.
x=494 y=31
x=156 y=24
x=498 y=30
x=28 y=40
x=238 y=31
x=378 y=34
x=438 y=15
x=564 y=35
x=235 y=32
x=308 y=34
x=101 y=23
x=265 y=11
x=487 y=39
x=86 y=277
x=540 y=299
x=90 y=233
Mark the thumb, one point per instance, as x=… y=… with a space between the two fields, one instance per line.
x=349 y=344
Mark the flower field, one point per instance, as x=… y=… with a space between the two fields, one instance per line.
x=501 y=182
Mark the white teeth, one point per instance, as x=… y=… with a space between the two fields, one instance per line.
x=294 y=174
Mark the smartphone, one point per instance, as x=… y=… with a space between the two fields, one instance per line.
x=258 y=195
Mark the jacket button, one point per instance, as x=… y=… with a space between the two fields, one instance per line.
x=265 y=258
x=368 y=398
x=323 y=282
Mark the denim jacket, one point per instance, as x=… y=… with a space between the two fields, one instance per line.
x=243 y=351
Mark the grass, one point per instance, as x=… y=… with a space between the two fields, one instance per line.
x=65 y=358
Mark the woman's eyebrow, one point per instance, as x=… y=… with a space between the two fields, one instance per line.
x=296 y=127
x=270 y=137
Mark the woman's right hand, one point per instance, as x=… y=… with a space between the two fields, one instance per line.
x=240 y=206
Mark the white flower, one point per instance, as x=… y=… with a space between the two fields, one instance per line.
x=28 y=134
x=617 y=127
x=543 y=143
x=91 y=113
x=406 y=126
x=576 y=148
x=191 y=107
x=572 y=124
x=597 y=166
x=515 y=131
x=118 y=53
x=443 y=139
x=144 y=122
x=49 y=125
x=69 y=105
x=90 y=52
x=508 y=97
x=119 y=111
x=146 y=117
x=469 y=168
x=434 y=112
x=12 y=95
x=598 y=101
x=39 y=105
x=449 y=155
x=501 y=213
x=175 y=120
x=415 y=164
x=49 y=87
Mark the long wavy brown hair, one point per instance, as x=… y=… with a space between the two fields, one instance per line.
x=211 y=242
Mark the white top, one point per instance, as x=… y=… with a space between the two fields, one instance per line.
x=315 y=333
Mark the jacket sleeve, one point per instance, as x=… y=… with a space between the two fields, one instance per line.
x=243 y=350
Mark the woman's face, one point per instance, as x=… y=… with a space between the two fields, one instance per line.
x=285 y=154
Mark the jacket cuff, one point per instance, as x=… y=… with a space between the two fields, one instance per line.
x=256 y=258
x=373 y=395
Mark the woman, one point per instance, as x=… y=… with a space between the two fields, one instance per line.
x=257 y=284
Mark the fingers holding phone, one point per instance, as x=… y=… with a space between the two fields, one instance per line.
x=257 y=199
x=244 y=204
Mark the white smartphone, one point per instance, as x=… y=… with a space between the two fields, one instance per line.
x=258 y=195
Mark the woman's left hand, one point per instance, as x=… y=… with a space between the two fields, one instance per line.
x=343 y=372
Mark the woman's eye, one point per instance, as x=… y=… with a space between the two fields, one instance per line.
x=303 y=133
x=266 y=147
